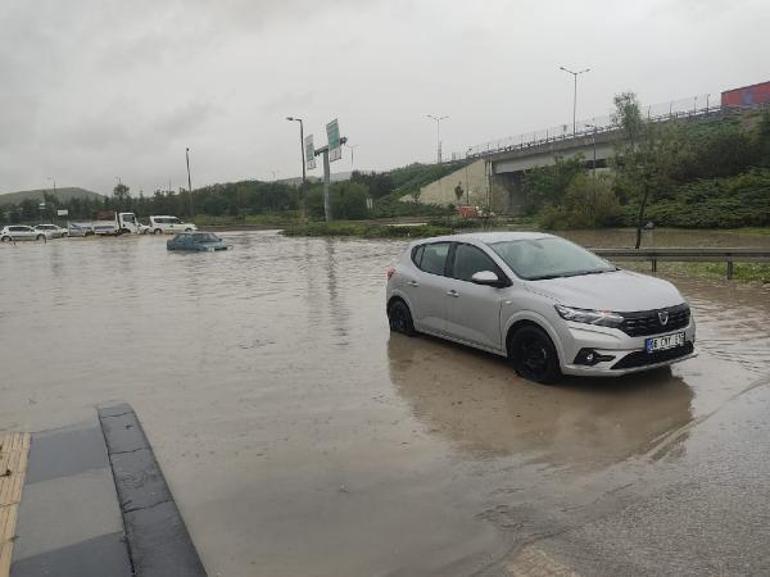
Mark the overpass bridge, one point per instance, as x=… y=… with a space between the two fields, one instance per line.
x=493 y=174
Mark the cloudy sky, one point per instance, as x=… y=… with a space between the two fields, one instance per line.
x=91 y=90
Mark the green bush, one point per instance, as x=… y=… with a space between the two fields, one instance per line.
x=588 y=203
x=733 y=202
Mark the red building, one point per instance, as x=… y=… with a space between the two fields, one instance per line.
x=754 y=95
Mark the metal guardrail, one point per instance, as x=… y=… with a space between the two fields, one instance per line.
x=727 y=255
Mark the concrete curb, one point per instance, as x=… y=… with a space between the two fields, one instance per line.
x=158 y=541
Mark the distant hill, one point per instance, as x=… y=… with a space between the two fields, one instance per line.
x=63 y=194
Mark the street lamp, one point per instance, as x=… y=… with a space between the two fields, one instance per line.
x=189 y=180
x=438 y=120
x=302 y=156
x=574 y=96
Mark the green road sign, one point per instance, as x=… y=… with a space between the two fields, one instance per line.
x=333 y=136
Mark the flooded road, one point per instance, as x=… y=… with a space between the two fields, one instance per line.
x=300 y=438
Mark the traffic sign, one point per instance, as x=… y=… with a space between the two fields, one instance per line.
x=333 y=136
x=62 y=212
x=309 y=152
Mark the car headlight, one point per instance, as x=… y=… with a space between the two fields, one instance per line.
x=588 y=316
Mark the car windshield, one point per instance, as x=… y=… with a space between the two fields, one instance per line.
x=551 y=257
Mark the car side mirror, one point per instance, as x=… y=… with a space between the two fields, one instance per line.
x=487 y=278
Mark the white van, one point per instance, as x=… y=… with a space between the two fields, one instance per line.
x=164 y=224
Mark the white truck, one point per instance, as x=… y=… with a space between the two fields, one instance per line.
x=109 y=223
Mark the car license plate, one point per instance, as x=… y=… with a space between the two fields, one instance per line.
x=664 y=343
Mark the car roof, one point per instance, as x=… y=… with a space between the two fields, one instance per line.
x=487 y=237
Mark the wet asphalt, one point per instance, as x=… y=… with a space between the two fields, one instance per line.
x=300 y=438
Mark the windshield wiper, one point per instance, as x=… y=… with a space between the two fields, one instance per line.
x=585 y=272
x=546 y=277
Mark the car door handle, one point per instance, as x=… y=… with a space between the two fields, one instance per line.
x=413 y=283
x=453 y=293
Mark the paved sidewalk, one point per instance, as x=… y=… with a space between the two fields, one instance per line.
x=69 y=520
x=94 y=504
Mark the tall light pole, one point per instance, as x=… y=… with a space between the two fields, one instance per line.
x=438 y=120
x=189 y=180
x=302 y=156
x=574 y=95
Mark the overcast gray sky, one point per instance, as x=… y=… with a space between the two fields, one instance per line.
x=91 y=90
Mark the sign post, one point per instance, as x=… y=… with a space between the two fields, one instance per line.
x=330 y=153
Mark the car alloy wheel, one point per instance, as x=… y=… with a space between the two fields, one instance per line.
x=400 y=319
x=533 y=355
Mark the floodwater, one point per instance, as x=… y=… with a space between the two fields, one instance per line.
x=301 y=438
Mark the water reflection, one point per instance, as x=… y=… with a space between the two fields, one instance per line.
x=478 y=404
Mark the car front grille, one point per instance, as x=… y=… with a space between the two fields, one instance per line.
x=643 y=358
x=645 y=323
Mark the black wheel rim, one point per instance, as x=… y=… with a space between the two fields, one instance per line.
x=533 y=357
x=397 y=319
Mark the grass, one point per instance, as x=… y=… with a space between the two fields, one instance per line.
x=365 y=230
x=274 y=220
x=742 y=271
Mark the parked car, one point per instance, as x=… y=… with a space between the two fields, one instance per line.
x=52 y=230
x=197 y=241
x=160 y=224
x=16 y=232
x=547 y=304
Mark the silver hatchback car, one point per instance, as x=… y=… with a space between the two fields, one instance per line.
x=549 y=305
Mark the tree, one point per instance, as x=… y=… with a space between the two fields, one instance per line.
x=635 y=155
x=588 y=203
x=120 y=196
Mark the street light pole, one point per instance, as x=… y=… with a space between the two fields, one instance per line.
x=438 y=120
x=574 y=95
x=302 y=156
x=189 y=180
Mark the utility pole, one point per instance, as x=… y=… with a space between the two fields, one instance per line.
x=574 y=95
x=189 y=180
x=438 y=120
x=302 y=156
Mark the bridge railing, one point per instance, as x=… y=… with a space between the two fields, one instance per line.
x=682 y=108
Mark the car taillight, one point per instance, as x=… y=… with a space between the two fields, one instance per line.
x=389 y=271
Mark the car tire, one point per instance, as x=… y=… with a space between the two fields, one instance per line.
x=157 y=231
x=533 y=355
x=40 y=237
x=188 y=230
x=400 y=318
x=6 y=239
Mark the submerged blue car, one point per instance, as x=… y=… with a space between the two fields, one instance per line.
x=197 y=241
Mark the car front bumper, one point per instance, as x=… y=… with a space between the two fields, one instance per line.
x=620 y=354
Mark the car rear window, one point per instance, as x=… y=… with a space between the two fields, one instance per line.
x=433 y=257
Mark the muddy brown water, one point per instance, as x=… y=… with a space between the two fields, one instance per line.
x=301 y=438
